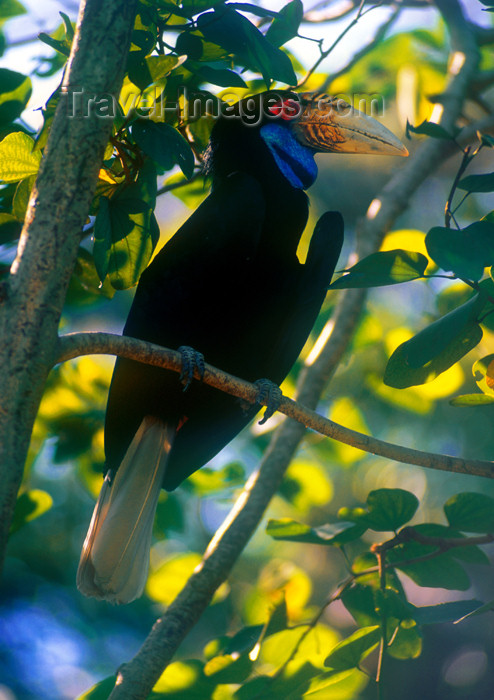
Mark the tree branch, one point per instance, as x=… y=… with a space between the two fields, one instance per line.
x=443 y=543
x=57 y=211
x=106 y=343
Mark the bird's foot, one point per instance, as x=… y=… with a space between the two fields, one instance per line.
x=271 y=393
x=192 y=361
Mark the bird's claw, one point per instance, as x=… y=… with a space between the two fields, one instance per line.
x=269 y=392
x=192 y=361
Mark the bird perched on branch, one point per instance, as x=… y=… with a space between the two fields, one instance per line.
x=227 y=285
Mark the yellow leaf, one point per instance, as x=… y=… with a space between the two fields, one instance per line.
x=406 y=239
x=17 y=158
x=167 y=581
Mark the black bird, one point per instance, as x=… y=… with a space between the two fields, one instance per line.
x=229 y=285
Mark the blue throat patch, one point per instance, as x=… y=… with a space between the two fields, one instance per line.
x=295 y=161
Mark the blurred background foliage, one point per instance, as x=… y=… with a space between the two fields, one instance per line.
x=55 y=644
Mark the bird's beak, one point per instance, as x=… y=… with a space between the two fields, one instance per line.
x=330 y=125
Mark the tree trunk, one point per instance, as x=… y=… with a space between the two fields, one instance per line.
x=33 y=296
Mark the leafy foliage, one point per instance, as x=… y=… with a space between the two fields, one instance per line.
x=431 y=555
x=268 y=635
x=148 y=125
x=466 y=253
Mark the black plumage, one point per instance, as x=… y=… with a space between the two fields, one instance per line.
x=229 y=285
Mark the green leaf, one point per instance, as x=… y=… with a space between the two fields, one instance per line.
x=381 y=269
x=440 y=571
x=190 y=45
x=340 y=686
x=293 y=531
x=69 y=29
x=17 y=158
x=61 y=46
x=86 y=273
x=477 y=183
x=224 y=77
x=426 y=128
x=229 y=668
x=444 y=612
x=487 y=607
x=436 y=348
x=30 y=505
x=470 y=554
x=359 y=601
x=470 y=512
x=393 y=605
x=21 y=197
x=285 y=25
x=351 y=651
x=126 y=231
x=190 y=193
x=152 y=69
x=387 y=510
x=237 y=35
x=15 y=91
x=466 y=252
x=304 y=681
x=164 y=144
x=103 y=236
x=469 y=400
x=11 y=8
x=407 y=644
x=244 y=640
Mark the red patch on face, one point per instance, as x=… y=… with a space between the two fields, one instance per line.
x=286 y=109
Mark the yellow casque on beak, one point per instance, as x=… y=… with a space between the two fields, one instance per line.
x=330 y=125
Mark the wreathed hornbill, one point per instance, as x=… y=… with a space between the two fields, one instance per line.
x=229 y=285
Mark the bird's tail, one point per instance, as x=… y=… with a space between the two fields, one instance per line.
x=115 y=556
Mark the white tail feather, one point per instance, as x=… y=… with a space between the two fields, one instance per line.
x=115 y=556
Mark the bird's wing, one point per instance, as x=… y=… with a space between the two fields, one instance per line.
x=309 y=293
x=192 y=278
x=276 y=336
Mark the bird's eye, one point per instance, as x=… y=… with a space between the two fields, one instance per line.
x=285 y=109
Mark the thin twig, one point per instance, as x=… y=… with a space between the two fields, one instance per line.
x=444 y=543
x=325 y=54
x=378 y=37
x=383 y=623
x=465 y=162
